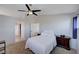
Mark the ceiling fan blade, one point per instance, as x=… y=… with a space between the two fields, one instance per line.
x=27 y=6
x=22 y=10
x=36 y=10
x=35 y=14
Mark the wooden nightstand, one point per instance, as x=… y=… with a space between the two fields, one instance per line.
x=63 y=42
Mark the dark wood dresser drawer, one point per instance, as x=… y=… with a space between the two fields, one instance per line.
x=63 y=42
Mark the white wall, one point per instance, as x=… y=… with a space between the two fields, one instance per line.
x=78 y=41
x=60 y=24
x=78 y=35
x=34 y=29
x=28 y=20
x=7 y=29
x=78 y=22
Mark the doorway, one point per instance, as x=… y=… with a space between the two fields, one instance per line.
x=18 y=32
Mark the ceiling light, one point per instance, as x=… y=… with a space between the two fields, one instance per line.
x=30 y=12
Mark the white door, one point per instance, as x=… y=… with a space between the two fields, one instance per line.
x=34 y=29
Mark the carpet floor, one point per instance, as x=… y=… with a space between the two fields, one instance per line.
x=57 y=50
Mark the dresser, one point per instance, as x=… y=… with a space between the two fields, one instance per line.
x=63 y=42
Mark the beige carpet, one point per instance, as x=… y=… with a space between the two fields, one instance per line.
x=57 y=50
x=19 y=48
x=16 y=48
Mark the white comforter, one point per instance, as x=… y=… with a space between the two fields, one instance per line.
x=41 y=44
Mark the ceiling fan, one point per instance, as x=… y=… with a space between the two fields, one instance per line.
x=30 y=11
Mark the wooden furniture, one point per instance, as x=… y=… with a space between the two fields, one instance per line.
x=63 y=41
x=2 y=47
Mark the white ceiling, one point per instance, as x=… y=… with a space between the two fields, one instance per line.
x=47 y=9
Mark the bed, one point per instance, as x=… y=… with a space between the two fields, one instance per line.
x=42 y=44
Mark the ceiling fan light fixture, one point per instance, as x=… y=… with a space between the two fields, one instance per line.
x=30 y=12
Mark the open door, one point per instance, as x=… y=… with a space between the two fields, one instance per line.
x=19 y=31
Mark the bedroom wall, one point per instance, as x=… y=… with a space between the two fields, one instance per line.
x=60 y=24
x=78 y=41
x=78 y=36
x=7 y=29
x=28 y=20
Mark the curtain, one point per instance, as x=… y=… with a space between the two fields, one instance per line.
x=75 y=27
